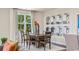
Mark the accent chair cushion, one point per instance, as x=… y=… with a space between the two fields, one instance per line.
x=10 y=46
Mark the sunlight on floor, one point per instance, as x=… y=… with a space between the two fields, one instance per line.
x=33 y=48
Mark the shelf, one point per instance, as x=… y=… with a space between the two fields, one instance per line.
x=58 y=23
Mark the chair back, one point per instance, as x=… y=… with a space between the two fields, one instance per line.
x=48 y=34
x=41 y=38
x=27 y=36
x=22 y=35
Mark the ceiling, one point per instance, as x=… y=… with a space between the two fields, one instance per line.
x=37 y=9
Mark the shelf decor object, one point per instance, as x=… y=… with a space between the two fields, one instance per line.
x=52 y=29
x=47 y=20
x=66 y=18
x=58 y=19
x=52 y=19
x=47 y=29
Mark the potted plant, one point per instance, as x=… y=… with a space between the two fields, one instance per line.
x=4 y=39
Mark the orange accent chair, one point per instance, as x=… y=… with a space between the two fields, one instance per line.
x=10 y=46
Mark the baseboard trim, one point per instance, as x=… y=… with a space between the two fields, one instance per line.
x=61 y=45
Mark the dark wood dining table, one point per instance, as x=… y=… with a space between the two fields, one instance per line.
x=36 y=37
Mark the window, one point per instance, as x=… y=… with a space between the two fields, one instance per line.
x=24 y=23
x=20 y=22
x=28 y=23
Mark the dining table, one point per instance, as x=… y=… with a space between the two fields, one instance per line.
x=37 y=40
x=37 y=36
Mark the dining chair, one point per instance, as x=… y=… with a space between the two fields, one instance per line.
x=30 y=40
x=25 y=38
x=41 y=41
x=22 y=36
x=48 y=38
x=33 y=41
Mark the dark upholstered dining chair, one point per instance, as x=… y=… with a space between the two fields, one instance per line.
x=41 y=41
x=48 y=38
x=22 y=37
x=30 y=40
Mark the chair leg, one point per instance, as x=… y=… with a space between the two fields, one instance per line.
x=49 y=44
x=44 y=46
x=24 y=43
x=29 y=44
x=21 y=42
x=44 y=49
x=36 y=44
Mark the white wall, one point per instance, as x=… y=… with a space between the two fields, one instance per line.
x=8 y=23
x=73 y=21
x=13 y=24
x=38 y=16
x=5 y=22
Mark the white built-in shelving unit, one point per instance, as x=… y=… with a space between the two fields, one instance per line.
x=58 y=24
